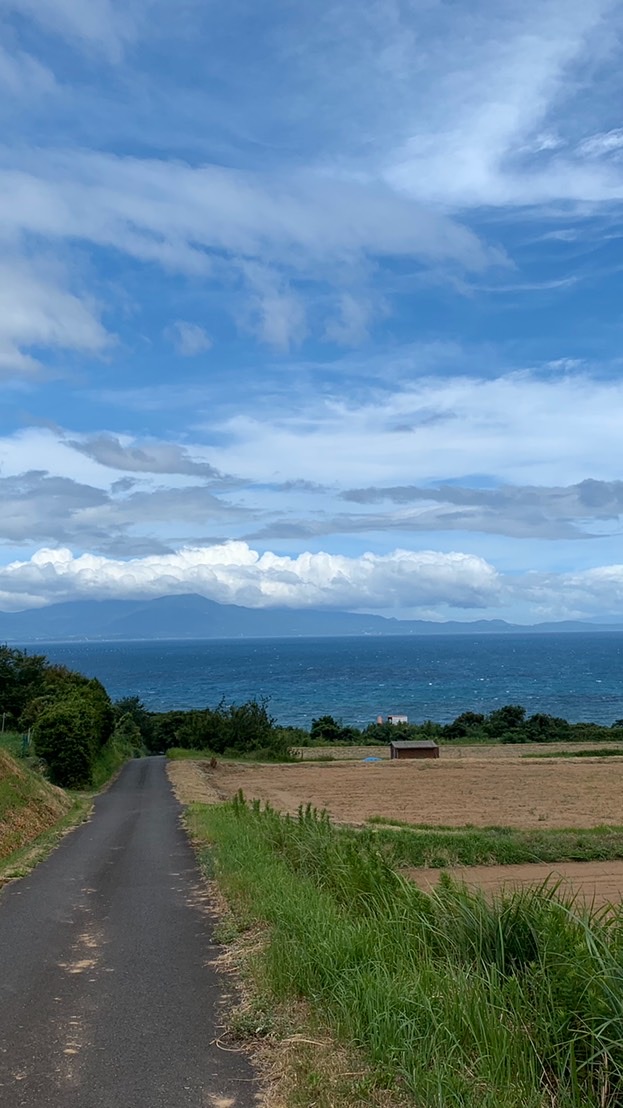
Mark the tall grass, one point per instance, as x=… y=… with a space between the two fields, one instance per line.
x=423 y=845
x=13 y=742
x=511 y=1003
x=109 y=760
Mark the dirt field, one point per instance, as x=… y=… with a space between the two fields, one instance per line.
x=497 y=751
x=484 y=792
x=593 y=882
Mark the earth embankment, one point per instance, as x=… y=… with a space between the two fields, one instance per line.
x=29 y=805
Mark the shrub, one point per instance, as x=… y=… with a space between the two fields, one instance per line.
x=64 y=735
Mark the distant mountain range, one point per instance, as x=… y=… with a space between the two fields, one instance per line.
x=194 y=617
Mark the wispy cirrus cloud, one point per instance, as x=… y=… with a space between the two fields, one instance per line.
x=39 y=310
x=100 y=26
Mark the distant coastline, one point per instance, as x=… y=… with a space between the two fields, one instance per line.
x=191 y=618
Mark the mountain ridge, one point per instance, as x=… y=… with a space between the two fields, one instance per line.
x=190 y=616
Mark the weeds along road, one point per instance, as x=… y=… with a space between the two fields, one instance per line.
x=107 y=996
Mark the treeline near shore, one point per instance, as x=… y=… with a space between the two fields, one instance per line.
x=82 y=736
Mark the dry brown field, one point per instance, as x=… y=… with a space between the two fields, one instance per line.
x=467 y=785
x=482 y=786
x=593 y=882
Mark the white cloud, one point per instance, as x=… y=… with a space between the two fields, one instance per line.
x=518 y=429
x=172 y=212
x=234 y=573
x=38 y=310
x=350 y=325
x=607 y=142
x=272 y=231
x=273 y=312
x=425 y=583
x=495 y=95
x=189 y=338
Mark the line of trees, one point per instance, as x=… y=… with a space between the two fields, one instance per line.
x=508 y=724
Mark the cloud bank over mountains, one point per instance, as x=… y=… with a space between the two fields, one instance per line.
x=313 y=305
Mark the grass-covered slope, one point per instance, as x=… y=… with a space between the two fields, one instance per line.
x=29 y=805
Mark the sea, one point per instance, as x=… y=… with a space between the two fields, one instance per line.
x=578 y=676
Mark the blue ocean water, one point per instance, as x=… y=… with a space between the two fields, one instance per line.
x=577 y=676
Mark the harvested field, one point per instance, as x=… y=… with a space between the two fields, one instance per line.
x=491 y=786
x=497 y=751
x=592 y=882
x=510 y=792
x=191 y=782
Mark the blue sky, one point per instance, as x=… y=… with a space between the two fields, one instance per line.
x=313 y=304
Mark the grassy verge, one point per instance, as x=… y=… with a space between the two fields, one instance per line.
x=421 y=845
x=11 y=741
x=111 y=757
x=455 y=1000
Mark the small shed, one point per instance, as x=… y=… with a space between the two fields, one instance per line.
x=423 y=748
x=397 y=718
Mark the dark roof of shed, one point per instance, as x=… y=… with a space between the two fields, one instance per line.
x=406 y=744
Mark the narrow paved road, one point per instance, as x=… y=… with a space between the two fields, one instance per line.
x=107 y=996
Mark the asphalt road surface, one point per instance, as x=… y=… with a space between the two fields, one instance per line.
x=107 y=996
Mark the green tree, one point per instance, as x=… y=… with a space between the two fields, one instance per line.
x=465 y=726
x=133 y=707
x=541 y=728
x=22 y=678
x=503 y=720
x=64 y=736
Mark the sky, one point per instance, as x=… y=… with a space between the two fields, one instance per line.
x=313 y=304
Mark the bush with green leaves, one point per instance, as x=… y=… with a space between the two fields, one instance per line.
x=65 y=737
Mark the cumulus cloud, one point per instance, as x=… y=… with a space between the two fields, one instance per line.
x=236 y=574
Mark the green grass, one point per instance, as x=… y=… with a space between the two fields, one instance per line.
x=110 y=758
x=421 y=845
x=459 y=1001
x=11 y=741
